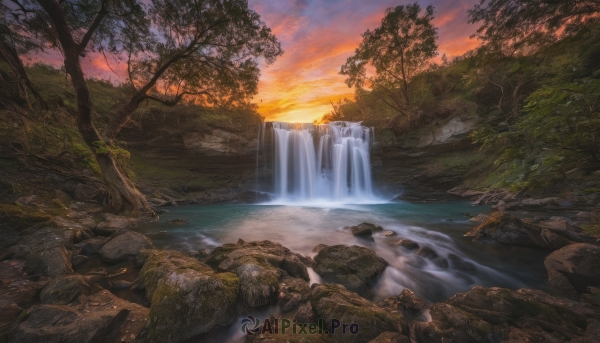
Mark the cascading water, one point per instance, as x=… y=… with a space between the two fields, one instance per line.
x=320 y=162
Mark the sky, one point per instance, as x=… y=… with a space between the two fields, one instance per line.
x=317 y=37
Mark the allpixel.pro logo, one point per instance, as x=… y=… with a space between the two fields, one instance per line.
x=248 y=322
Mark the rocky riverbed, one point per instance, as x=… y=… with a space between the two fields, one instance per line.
x=137 y=292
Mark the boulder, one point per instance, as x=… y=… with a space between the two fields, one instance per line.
x=92 y=246
x=355 y=267
x=123 y=247
x=332 y=301
x=11 y=270
x=290 y=337
x=305 y=313
x=365 y=229
x=111 y=224
x=431 y=255
x=49 y=262
x=495 y=314
x=574 y=268
x=457 y=263
x=407 y=303
x=259 y=266
x=480 y=218
x=23 y=292
x=188 y=297
x=68 y=289
x=504 y=228
x=103 y=317
x=41 y=239
x=407 y=244
x=292 y=292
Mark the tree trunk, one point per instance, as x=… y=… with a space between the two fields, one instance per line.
x=122 y=194
x=11 y=57
x=122 y=116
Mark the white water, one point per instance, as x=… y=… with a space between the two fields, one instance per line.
x=323 y=163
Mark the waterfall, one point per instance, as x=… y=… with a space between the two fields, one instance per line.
x=319 y=162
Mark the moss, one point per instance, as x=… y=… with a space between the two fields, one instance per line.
x=16 y=217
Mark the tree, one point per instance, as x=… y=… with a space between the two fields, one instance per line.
x=520 y=26
x=174 y=49
x=398 y=50
x=206 y=50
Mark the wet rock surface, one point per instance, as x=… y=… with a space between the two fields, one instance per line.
x=574 y=268
x=407 y=303
x=259 y=266
x=507 y=229
x=496 y=314
x=124 y=246
x=187 y=297
x=355 y=267
x=332 y=301
x=365 y=229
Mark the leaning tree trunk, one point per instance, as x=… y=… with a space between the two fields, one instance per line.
x=122 y=193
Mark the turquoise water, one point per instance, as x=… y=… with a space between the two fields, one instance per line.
x=300 y=228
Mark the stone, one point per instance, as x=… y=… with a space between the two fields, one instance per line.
x=50 y=262
x=491 y=314
x=92 y=246
x=480 y=218
x=103 y=317
x=23 y=292
x=431 y=255
x=504 y=228
x=407 y=244
x=407 y=303
x=305 y=313
x=68 y=289
x=319 y=247
x=389 y=234
x=123 y=247
x=78 y=260
x=365 y=229
x=331 y=301
x=292 y=292
x=11 y=270
x=120 y=284
x=41 y=239
x=457 y=263
x=574 y=268
x=182 y=287
x=111 y=224
x=355 y=267
x=259 y=266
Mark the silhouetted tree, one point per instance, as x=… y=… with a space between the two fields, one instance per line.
x=399 y=49
x=520 y=26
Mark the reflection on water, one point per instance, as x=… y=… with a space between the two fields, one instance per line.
x=300 y=228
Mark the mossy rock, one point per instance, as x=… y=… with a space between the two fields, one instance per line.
x=355 y=267
x=14 y=216
x=188 y=301
x=332 y=301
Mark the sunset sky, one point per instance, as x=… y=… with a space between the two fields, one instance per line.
x=317 y=37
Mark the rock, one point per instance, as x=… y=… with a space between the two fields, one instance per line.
x=390 y=337
x=389 y=234
x=290 y=337
x=457 y=263
x=292 y=292
x=77 y=260
x=111 y=224
x=11 y=270
x=259 y=265
x=49 y=262
x=554 y=241
x=480 y=218
x=494 y=314
x=319 y=247
x=407 y=244
x=181 y=287
x=65 y=290
x=305 y=313
x=365 y=229
x=573 y=268
x=92 y=246
x=332 y=301
x=427 y=253
x=9 y=311
x=120 y=284
x=41 y=239
x=407 y=303
x=23 y=292
x=102 y=318
x=504 y=228
x=124 y=247
x=355 y=267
